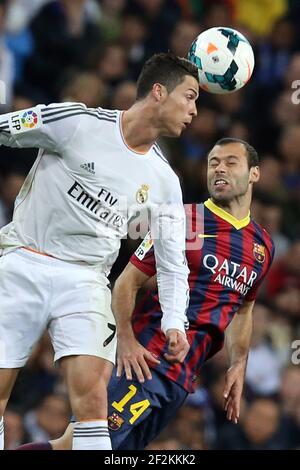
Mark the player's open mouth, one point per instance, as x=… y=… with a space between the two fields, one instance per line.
x=220 y=183
x=186 y=124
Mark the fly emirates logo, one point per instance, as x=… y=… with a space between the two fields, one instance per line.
x=230 y=274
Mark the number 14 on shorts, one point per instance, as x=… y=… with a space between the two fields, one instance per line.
x=136 y=409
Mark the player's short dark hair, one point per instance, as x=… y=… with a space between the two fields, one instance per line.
x=166 y=69
x=252 y=155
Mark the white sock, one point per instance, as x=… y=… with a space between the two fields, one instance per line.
x=91 y=435
x=1 y=434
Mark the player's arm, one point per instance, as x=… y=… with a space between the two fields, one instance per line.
x=237 y=340
x=168 y=229
x=131 y=355
x=238 y=336
x=48 y=127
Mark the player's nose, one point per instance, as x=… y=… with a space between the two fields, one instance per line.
x=221 y=168
x=194 y=111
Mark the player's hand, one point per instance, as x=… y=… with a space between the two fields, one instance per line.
x=132 y=356
x=232 y=393
x=178 y=346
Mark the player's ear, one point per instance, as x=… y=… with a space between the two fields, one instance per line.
x=159 y=91
x=254 y=174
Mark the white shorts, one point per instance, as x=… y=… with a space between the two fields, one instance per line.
x=73 y=301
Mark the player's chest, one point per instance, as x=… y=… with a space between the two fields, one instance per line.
x=113 y=176
x=233 y=261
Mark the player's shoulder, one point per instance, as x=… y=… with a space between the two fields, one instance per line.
x=80 y=110
x=105 y=116
x=160 y=157
x=260 y=230
x=159 y=153
x=163 y=163
x=64 y=106
x=108 y=115
x=263 y=235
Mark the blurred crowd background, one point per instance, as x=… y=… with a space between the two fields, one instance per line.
x=91 y=51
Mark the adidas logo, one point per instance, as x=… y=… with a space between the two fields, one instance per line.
x=90 y=167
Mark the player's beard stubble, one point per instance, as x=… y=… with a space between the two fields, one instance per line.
x=235 y=190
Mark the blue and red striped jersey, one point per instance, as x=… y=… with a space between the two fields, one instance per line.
x=228 y=259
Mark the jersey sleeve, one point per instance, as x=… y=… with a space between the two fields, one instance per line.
x=48 y=127
x=168 y=231
x=143 y=257
x=254 y=290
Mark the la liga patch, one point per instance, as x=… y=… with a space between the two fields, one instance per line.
x=24 y=121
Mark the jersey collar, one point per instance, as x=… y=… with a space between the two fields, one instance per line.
x=236 y=223
x=123 y=141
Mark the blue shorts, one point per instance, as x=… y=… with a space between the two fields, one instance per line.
x=138 y=412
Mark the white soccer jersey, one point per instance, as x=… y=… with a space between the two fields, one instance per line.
x=85 y=187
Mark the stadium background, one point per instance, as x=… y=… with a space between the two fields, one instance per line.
x=92 y=51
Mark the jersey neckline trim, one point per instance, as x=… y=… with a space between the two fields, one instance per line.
x=123 y=141
x=236 y=223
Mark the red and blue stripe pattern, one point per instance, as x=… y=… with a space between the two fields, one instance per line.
x=227 y=265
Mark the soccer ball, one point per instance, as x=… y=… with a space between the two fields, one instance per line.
x=224 y=58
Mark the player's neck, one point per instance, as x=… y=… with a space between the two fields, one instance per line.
x=138 y=129
x=238 y=208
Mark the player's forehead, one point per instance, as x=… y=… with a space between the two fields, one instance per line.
x=189 y=83
x=235 y=150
